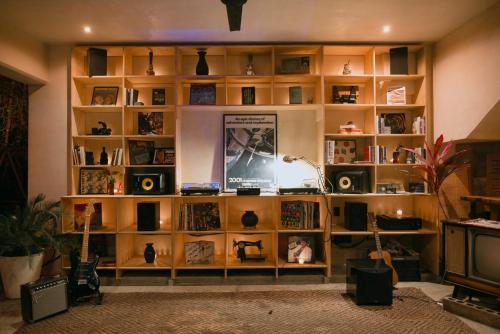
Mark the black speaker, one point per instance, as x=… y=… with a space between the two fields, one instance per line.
x=399 y=60
x=148 y=184
x=148 y=216
x=97 y=61
x=356 y=216
x=351 y=182
x=369 y=283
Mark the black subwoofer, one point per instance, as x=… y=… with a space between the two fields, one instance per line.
x=369 y=282
x=356 y=216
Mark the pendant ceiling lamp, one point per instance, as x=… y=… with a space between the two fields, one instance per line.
x=234 y=9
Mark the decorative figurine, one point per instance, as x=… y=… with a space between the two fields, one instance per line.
x=150 y=70
x=347 y=68
x=396 y=154
x=104 y=157
x=249 y=69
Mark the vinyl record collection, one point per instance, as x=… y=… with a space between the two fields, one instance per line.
x=199 y=217
x=301 y=215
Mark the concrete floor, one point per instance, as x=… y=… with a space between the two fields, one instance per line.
x=10 y=317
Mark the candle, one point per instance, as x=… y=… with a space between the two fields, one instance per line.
x=301 y=261
x=399 y=212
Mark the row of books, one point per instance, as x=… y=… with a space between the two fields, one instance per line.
x=410 y=157
x=418 y=125
x=82 y=158
x=376 y=154
x=302 y=215
x=117 y=157
x=199 y=217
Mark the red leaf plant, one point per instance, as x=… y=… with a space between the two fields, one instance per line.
x=438 y=164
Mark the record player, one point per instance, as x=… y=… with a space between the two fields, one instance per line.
x=206 y=188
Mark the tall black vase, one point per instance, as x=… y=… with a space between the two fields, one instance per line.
x=202 y=66
x=149 y=253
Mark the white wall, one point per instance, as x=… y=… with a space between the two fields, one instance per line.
x=48 y=129
x=22 y=57
x=467 y=79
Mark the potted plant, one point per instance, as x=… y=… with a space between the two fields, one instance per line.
x=438 y=164
x=111 y=178
x=23 y=237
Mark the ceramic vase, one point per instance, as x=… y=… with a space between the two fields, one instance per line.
x=149 y=253
x=202 y=66
x=249 y=219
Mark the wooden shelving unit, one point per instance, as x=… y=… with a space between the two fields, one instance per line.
x=174 y=68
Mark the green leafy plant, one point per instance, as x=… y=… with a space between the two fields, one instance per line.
x=32 y=229
x=438 y=164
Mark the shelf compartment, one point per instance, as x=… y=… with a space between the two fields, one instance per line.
x=416 y=60
x=314 y=241
x=362 y=118
x=138 y=263
x=114 y=61
x=127 y=214
x=261 y=84
x=84 y=119
x=263 y=207
x=219 y=251
x=184 y=86
x=312 y=51
x=364 y=86
x=353 y=107
x=71 y=217
x=145 y=86
x=237 y=59
x=188 y=59
x=164 y=141
x=98 y=80
x=359 y=57
x=310 y=85
x=341 y=230
x=130 y=251
x=97 y=109
x=414 y=89
x=137 y=60
x=268 y=249
x=131 y=119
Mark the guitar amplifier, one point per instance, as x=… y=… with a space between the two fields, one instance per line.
x=44 y=298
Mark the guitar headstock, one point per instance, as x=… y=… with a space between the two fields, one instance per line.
x=89 y=210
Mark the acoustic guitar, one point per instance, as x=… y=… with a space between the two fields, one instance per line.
x=83 y=279
x=382 y=254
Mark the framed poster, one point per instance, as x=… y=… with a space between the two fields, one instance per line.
x=93 y=181
x=250 y=148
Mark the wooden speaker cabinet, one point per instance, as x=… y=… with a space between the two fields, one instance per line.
x=455 y=249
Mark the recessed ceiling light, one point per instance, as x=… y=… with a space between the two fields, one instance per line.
x=87 y=29
x=386 y=29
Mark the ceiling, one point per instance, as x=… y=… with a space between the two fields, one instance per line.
x=122 y=21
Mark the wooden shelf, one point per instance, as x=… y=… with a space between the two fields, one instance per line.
x=200 y=232
x=349 y=106
x=290 y=230
x=399 y=77
x=146 y=108
x=282 y=263
x=399 y=106
x=483 y=199
x=339 y=135
x=90 y=137
x=143 y=137
x=348 y=79
x=98 y=109
x=351 y=165
x=341 y=230
x=132 y=229
x=234 y=263
x=402 y=135
x=138 y=263
x=219 y=263
x=147 y=166
x=98 y=80
x=151 y=79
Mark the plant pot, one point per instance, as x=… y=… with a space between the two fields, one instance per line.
x=18 y=270
x=149 y=253
x=249 y=219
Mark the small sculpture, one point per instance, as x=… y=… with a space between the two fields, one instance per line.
x=103 y=130
x=347 y=68
x=150 y=70
x=249 y=69
x=396 y=154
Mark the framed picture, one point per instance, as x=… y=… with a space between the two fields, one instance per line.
x=301 y=249
x=150 y=123
x=250 y=148
x=164 y=156
x=295 y=94
x=140 y=152
x=158 y=96
x=295 y=65
x=95 y=218
x=202 y=94
x=104 y=96
x=396 y=121
x=344 y=152
x=247 y=95
x=93 y=181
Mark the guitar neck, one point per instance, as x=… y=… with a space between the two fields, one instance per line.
x=84 y=254
x=377 y=237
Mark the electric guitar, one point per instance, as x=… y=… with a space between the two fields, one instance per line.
x=83 y=280
x=381 y=254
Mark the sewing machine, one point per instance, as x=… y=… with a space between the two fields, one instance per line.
x=241 y=250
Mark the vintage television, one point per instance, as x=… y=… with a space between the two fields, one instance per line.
x=470 y=249
x=483 y=265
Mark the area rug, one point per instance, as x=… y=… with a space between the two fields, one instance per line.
x=326 y=311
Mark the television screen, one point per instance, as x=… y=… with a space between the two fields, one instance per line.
x=485 y=264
